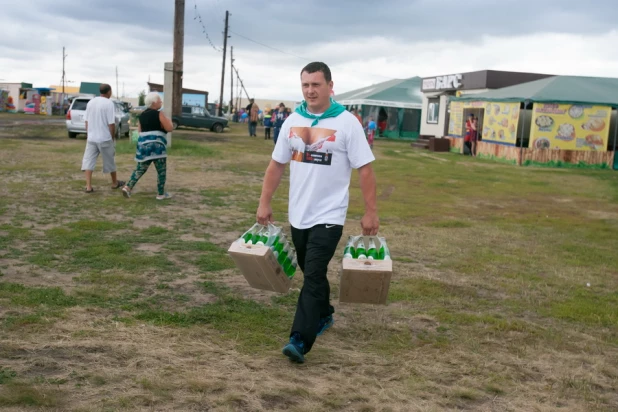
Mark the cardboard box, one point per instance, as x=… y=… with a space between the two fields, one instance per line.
x=259 y=266
x=365 y=280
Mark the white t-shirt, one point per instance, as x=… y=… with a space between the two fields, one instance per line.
x=100 y=113
x=322 y=158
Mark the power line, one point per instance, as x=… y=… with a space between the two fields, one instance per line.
x=303 y=58
x=198 y=17
x=270 y=47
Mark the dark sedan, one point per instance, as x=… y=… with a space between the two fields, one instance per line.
x=193 y=116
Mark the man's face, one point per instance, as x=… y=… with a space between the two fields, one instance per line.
x=316 y=90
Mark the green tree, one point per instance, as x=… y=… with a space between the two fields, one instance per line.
x=141 y=98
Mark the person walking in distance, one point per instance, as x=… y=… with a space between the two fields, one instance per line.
x=278 y=118
x=101 y=137
x=153 y=127
x=267 y=123
x=371 y=131
x=252 y=113
x=323 y=143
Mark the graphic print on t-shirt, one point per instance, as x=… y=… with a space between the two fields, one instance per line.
x=312 y=145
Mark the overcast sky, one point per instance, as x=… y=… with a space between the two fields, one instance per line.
x=363 y=41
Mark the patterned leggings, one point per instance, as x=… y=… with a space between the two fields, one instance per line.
x=142 y=167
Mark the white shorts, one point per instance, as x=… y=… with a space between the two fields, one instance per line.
x=106 y=149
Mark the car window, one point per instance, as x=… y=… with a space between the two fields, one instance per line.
x=79 y=104
x=186 y=110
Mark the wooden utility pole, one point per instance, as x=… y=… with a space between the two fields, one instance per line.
x=227 y=17
x=179 y=42
x=116 y=82
x=64 y=56
x=231 y=79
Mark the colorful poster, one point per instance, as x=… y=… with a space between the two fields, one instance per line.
x=500 y=123
x=4 y=98
x=569 y=127
x=455 y=124
x=36 y=99
x=43 y=105
x=10 y=106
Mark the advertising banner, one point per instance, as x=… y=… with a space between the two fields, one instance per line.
x=500 y=123
x=456 y=120
x=570 y=127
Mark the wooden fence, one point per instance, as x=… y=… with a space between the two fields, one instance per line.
x=522 y=156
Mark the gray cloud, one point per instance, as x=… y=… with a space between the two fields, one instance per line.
x=293 y=25
x=367 y=41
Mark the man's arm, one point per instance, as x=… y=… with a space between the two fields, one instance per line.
x=111 y=120
x=370 y=222
x=272 y=178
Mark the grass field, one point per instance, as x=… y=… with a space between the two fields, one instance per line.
x=504 y=296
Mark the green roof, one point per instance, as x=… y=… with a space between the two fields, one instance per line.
x=558 y=89
x=404 y=93
x=89 y=88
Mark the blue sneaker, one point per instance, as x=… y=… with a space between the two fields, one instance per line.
x=325 y=323
x=295 y=350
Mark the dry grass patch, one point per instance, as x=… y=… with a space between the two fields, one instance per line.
x=109 y=303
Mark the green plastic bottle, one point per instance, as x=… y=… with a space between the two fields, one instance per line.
x=248 y=236
x=349 y=251
x=372 y=252
x=256 y=236
x=360 y=249
x=263 y=237
x=384 y=253
x=283 y=254
x=281 y=243
x=291 y=269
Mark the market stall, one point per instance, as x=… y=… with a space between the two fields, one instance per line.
x=557 y=121
x=394 y=104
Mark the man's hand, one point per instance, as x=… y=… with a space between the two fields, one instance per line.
x=264 y=214
x=370 y=224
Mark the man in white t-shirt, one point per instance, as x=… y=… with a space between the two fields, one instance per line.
x=323 y=143
x=101 y=131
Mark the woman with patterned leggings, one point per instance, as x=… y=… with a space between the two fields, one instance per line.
x=151 y=146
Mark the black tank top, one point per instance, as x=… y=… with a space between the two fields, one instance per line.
x=149 y=120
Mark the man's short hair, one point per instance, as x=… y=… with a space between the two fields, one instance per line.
x=105 y=88
x=318 y=67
